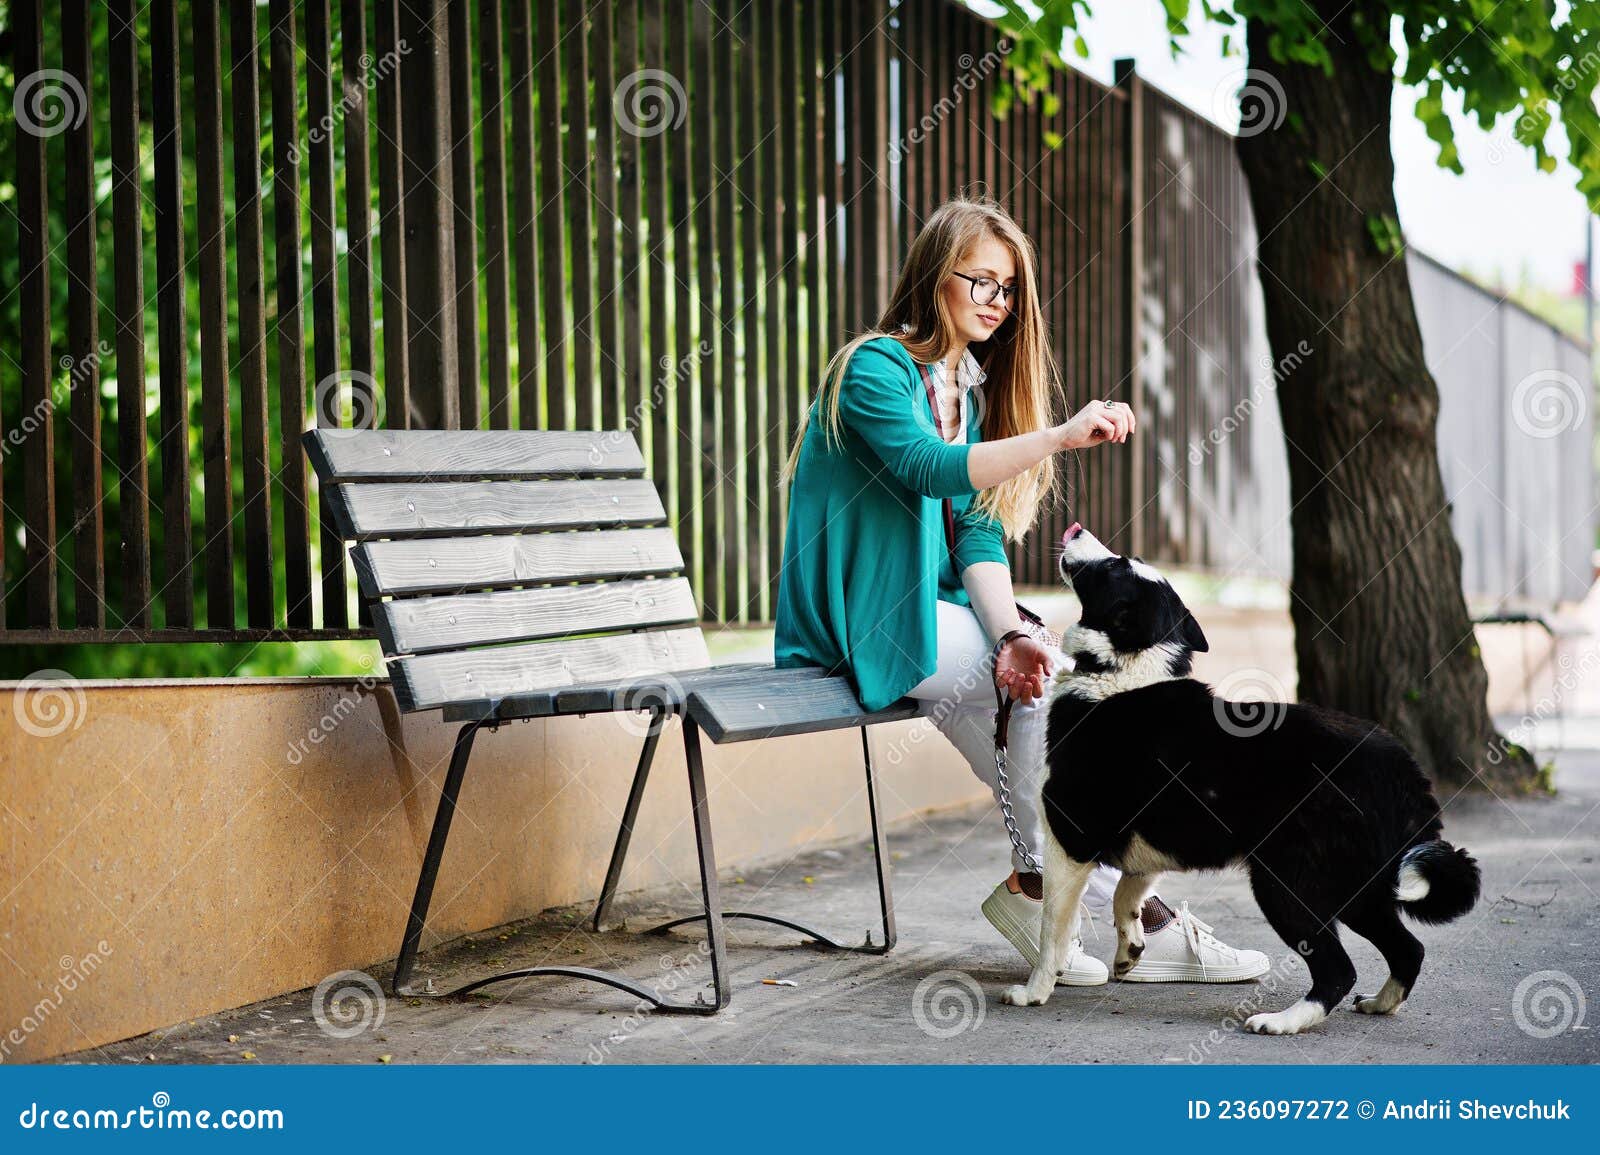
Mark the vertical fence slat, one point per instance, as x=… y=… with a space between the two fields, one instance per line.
x=780 y=427
x=552 y=179
x=172 y=312
x=1061 y=281
x=212 y=258
x=768 y=141
x=682 y=424
x=1132 y=148
x=852 y=191
x=603 y=65
x=464 y=204
x=431 y=354
x=814 y=99
x=291 y=324
x=324 y=287
x=628 y=209
x=392 y=220
x=758 y=383
x=737 y=536
x=655 y=155
x=37 y=425
x=525 y=243
x=833 y=171
x=358 y=224
x=496 y=267
x=907 y=98
x=358 y=201
x=83 y=332
x=577 y=178
x=698 y=405
x=249 y=266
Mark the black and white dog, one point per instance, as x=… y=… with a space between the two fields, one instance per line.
x=1330 y=815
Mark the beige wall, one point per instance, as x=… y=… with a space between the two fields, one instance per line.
x=179 y=848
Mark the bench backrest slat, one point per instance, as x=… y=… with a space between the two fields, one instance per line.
x=451 y=508
x=447 y=564
x=430 y=681
x=427 y=625
x=509 y=562
x=464 y=454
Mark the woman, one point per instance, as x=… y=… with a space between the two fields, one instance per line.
x=874 y=585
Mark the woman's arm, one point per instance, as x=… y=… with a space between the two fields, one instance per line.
x=992 y=462
x=1024 y=664
x=988 y=586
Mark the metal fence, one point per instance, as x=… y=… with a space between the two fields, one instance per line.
x=1516 y=440
x=658 y=214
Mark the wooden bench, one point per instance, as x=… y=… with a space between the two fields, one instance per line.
x=530 y=574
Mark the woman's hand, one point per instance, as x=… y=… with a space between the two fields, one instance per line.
x=1097 y=422
x=1021 y=668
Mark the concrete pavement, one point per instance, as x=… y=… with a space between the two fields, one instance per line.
x=1515 y=982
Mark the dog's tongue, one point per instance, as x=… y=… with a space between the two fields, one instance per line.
x=1072 y=531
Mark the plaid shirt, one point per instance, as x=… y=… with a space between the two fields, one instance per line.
x=968 y=377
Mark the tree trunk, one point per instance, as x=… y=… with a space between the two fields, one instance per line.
x=1381 y=626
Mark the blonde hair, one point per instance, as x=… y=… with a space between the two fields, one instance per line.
x=1021 y=380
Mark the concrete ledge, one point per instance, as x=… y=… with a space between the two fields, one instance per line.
x=173 y=849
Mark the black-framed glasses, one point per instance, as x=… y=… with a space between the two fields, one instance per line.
x=986 y=289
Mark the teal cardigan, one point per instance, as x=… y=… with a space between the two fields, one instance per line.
x=864 y=555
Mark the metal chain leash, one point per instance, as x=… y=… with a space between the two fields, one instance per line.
x=1033 y=864
x=1003 y=705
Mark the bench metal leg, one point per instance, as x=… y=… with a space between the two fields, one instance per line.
x=431 y=859
x=880 y=850
x=401 y=984
x=630 y=815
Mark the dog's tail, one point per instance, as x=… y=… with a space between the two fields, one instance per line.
x=1436 y=882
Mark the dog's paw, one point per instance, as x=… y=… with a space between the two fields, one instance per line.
x=1018 y=996
x=1290 y=1021
x=1385 y=1002
x=1129 y=951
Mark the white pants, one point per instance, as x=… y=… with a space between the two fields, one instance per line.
x=962 y=686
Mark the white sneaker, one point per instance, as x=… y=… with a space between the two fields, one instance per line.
x=1184 y=951
x=1017 y=917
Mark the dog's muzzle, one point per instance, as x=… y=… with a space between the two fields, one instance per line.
x=1079 y=546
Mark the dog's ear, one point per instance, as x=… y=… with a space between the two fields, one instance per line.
x=1189 y=631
